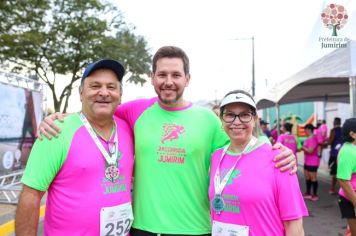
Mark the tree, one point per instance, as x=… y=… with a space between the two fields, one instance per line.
x=334 y=17
x=293 y=119
x=52 y=38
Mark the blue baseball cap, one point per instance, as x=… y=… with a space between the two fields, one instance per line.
x=113 y=65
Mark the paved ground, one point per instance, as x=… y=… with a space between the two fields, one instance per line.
x=324 y=219
x=324 y=215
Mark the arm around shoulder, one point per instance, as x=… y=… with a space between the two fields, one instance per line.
x=27 y=212
x=48 y=128
x=286 y=160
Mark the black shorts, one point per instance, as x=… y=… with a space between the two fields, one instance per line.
x=332 y=165
x=138 y=232
x=311 y=168
x=346 y=208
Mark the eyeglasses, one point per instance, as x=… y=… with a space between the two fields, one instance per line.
x=244 y=117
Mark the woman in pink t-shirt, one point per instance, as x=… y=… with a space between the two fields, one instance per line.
x=311 y=163
x=248 y=195
x=287 y=138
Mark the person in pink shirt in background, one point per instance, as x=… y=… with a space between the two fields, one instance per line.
x=323 y=131
x=311 y=163
x=248 y=196
x=274 y=132
x=321 y=134
x=287 y=138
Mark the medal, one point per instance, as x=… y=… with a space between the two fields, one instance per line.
x=112 y=173
x=219 y=184
x=111 y=156
x=218 y=203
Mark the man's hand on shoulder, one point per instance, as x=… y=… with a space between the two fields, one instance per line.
x=48 y=128
x=286 y=160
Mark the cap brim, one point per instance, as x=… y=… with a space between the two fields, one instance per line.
x=113 y=65
x=238 y=98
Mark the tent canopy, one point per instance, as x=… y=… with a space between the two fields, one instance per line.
x=327 y=79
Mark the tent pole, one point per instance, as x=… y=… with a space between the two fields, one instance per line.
x=352 y=83
x=324 y=106
x=277 y=119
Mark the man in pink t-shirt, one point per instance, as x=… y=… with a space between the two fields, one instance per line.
x=87 y=171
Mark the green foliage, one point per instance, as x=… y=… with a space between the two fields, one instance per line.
x=52 y=38
x=292 y=117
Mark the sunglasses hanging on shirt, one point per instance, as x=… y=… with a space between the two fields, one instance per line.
x=112 y=148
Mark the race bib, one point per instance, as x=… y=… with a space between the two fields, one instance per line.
x=116 y=220
x=221 y=229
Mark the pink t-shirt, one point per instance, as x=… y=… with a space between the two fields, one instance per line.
x=311 y=159
x=257 y=194
x=72 y=169
x=289 y=141
x=274 y=134
x=322 y=134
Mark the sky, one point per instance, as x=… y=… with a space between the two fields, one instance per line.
x=216 y=35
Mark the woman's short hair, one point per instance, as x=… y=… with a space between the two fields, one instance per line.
x=309 y=126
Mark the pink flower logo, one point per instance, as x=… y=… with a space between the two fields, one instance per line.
x=334 y=17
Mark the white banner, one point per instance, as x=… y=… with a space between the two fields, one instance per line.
x=20 y=113
x=12 y=112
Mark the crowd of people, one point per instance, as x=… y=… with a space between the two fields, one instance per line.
x=341 y=143
x=164 y=166
x=315 y=141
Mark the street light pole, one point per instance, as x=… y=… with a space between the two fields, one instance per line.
x=253 y=66
x=253 y=62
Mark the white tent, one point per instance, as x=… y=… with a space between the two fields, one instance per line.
x=331 y=78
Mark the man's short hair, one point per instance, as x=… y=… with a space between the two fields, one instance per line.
x=349 y=125
x=171 y=52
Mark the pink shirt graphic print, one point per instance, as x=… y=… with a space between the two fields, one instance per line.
x=257 y=195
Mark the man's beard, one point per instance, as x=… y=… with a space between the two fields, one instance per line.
x=170 y=102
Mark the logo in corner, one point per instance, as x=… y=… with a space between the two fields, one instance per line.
x=171 y=132
x=334 y=17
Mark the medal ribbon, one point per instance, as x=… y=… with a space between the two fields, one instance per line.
x=220 y=184
x=110 y=159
